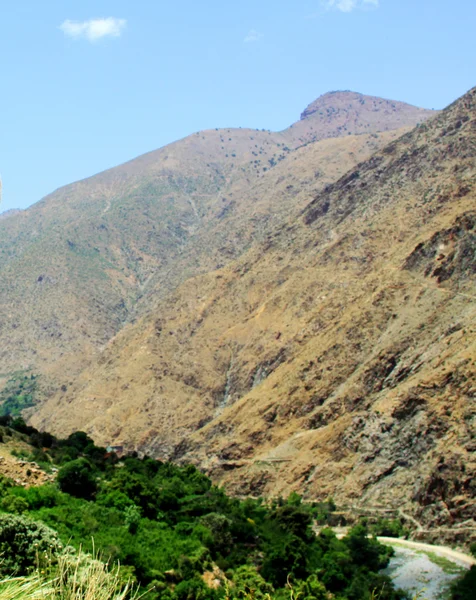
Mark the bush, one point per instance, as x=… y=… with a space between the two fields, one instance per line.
x=23 y=542
x=193 y=589
x=464 y=588
x=13 y=504
x=389 y=528
x=38 y=497
x=247 y=582
x=77 y=479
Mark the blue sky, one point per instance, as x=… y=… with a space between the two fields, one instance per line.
x=88 y=84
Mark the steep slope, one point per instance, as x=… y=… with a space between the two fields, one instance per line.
x=249 y=207
x=74 y=266
x=335 y=358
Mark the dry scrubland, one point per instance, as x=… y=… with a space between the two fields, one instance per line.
x=290 y=311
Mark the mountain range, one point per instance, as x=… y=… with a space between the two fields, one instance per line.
x=291 y=311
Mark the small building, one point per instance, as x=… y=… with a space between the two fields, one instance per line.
x=117 y=448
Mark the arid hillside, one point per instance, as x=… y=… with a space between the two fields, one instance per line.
x=80 y=264
x=9 y=213
x=335 y=357
x=338 y=114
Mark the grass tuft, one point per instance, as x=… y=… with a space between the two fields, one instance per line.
x=77 y=577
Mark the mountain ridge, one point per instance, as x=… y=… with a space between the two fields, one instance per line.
x=75 y=264
x=288 y=394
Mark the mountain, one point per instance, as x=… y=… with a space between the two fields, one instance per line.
x=337 y=114
x=9 y=213
x=79 y=265
x=334 y=357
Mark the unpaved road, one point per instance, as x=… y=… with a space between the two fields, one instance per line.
x=454 y=555
x=460 y=558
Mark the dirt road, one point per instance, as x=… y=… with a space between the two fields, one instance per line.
x=454 y=555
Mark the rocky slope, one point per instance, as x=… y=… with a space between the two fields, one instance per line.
x=91 y=256
x=335 y=357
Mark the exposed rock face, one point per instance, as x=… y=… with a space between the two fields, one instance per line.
x=335 y=357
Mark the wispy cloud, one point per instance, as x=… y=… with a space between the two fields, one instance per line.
x=350 y=5
x=94 y=29
x=253 y=36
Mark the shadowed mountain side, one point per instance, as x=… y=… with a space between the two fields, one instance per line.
x=336 y=357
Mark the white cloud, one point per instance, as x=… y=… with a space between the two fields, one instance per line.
x=349 y=5
x=94 y=29
x=253 y=36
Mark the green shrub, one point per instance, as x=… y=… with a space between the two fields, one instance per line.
x=38 y=497
x=194 y=589
x=13 y=504
x=23 y=543
x=77 y=478
x=464 y=588
x=247 y=582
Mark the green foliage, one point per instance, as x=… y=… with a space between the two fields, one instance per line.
x=389 y=528
x=310 y=589
x=23 y=543
x=167 y=525
x=247 y=582
x=220 y=539
x=193 y=589
x=13 y=504
x=132 y=517
x=465 y=587
x=19 y=393
x=366 y=551
x=77 y=478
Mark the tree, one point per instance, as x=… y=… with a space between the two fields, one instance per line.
x=77 y=479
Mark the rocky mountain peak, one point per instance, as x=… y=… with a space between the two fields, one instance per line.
x=343 y=113
x=334 y=104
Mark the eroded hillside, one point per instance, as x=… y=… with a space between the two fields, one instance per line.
x=80 y=264
x=336 y=357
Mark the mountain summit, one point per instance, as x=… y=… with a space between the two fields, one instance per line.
x=338 y=114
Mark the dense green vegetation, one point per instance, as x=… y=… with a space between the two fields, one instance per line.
x=18 y=393
x=465 y=587
x=389 y=528
x=168 y=525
